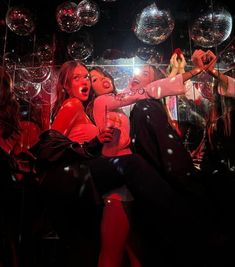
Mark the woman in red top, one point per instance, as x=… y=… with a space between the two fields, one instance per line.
x=72 y=139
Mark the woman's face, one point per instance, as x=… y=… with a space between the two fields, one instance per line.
x=101 y=84
x=80 y=84
x=142 y=77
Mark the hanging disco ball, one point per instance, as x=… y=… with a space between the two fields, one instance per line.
x=149 y=53
x=66 y=17
x=10 y=61
x=211 y=28
x=35 y=74
x=79 y=50
x=228 y=57
x=45 y=53
x=153 y=26
x=80 y=46
x=88 y=12
x=20 y=21
x=32 y=70
x=24 y=89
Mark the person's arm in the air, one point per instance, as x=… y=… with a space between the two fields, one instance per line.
x=226 y=85
x=157 y=89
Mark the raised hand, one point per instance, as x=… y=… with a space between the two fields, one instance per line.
x=198 y=58
x=182 y=63
x=204 y=60
x=174 y=66
x=212 y=59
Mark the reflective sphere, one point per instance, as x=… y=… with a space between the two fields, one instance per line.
x=20 y=21
x=211 y=28
x=32 y=70
x=66 y=17
x=88 y=12
x=35 y=74
x=24 y=89
x=153 y=26
x=228 y=57
x=79 y=50
x=45 y=53
x=10 y=61
x=146 y=53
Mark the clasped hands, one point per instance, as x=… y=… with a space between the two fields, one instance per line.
x=204 y=60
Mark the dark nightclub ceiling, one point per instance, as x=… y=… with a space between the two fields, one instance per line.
x=112 y=29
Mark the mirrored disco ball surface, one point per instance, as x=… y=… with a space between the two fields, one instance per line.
x=145 y=52
x=24 y=89
x=211 y=28
x=32 y=70
x=20 y=21
x=228 y=57
x=80 y=50
x=152 y=25
x=66 y=17
x=88 y=12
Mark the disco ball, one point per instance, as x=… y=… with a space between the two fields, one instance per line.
x=79 y=50
x=45 y=53
x=66 y=17
x=88 y=12
x=80 y=46
x=20 y=21
x=10 y=61
x=24 y=89
x=146 y=53
x=35 y=74
x=32 y=70
x=228 y=57
x=211 y=28
x=153 y=26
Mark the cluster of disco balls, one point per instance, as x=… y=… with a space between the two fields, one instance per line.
x=211 y=27
x=70 y=17
x=152 y=25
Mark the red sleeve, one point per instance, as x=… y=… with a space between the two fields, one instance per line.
x=68 y=113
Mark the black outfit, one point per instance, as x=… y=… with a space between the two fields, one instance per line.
x=153 y=137
x=156 y=140
x=163 y=215
x=71 y=201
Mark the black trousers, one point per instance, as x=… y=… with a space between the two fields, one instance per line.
x=169 y=222
x=155 y=139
